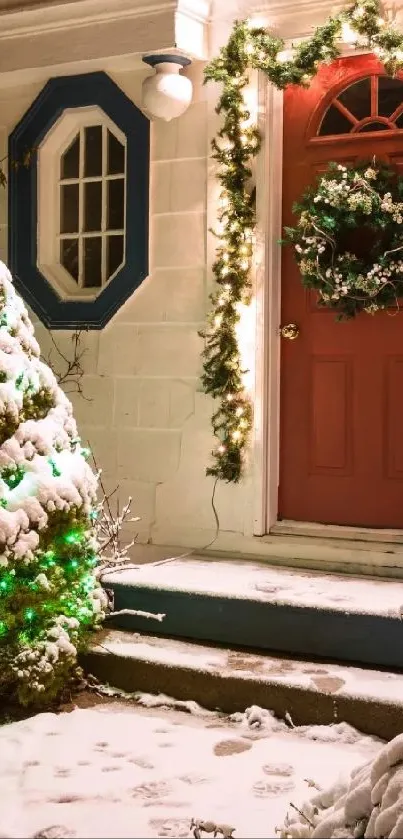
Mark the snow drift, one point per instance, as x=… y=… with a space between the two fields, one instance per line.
x=369 y=805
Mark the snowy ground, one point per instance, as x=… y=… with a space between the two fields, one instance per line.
x=120 y=770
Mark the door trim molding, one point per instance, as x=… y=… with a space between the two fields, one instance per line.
x=269 y=169
x=337 y=532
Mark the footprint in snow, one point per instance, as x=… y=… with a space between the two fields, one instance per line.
x=284 y=770
x=56 y=831
x=142 y=762
x=152 y=790
x=62 y=772
x=269 y=789
x=170 y=827
x=231 y=747
x=193 y=779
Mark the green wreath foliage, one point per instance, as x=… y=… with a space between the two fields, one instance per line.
x=348 y=241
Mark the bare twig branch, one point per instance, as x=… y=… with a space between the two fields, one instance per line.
x=114 y=554
x=311 y=824
x=71 y=376
x=138 y=612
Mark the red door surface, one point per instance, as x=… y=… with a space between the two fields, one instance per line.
x=341 y=441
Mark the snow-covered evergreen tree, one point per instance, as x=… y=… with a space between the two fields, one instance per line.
x=49 y=596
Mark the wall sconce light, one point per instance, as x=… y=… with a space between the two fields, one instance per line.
x=167 y=94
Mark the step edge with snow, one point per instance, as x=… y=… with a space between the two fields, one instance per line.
x=230 y=693
x=280 y=627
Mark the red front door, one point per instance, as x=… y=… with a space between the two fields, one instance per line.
x=341 y=442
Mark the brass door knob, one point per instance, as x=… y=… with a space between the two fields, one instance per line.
x=289 y=331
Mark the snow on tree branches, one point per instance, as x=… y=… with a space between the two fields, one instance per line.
x=49 y=595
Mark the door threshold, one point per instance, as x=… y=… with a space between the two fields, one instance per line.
x=287 y=527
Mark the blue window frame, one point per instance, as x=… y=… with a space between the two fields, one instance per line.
x=58 y=95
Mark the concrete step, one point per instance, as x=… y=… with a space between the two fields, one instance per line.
x=242 y=603
x=232 y=680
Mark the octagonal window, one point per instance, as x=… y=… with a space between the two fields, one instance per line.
x=79 y=227
x=82 y=167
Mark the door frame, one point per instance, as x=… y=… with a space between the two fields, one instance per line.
x=267 y=294
x=267 y=288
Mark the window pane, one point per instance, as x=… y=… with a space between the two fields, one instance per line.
x=92 y=275
x=357 y=98
x=69 y=256
x=116 y=192
x=92 y=206
x=114 y=254
x=93 y=151
x=70 y=162
x=390 y=95
x=116 y=156
x=374 y=126
x=69 y=208
x=334 y=122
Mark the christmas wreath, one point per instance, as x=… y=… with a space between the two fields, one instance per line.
x=349 y=238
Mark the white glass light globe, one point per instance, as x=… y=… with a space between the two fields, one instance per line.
x=167 y=94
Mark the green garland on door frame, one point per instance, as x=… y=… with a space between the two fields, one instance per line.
x=236 y=144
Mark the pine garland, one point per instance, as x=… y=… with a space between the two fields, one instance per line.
x=236 y=144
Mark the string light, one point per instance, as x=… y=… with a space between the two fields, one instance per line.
x=253 y=46
x=284 y=55
x=73 y=538
x=55 y=471
x=348 y=35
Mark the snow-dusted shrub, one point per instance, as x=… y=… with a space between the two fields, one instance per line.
x=49 y=595
x=369 y=805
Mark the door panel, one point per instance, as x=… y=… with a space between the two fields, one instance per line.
x=341 y=438
x=330 y=415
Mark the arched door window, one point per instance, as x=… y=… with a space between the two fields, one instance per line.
x=374 y=103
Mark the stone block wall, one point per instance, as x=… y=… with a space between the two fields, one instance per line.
x=143 y=412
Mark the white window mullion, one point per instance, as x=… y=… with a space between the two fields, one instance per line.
x=124 y=204
x=81 y=211
x=73 y=125
x=104 y=217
